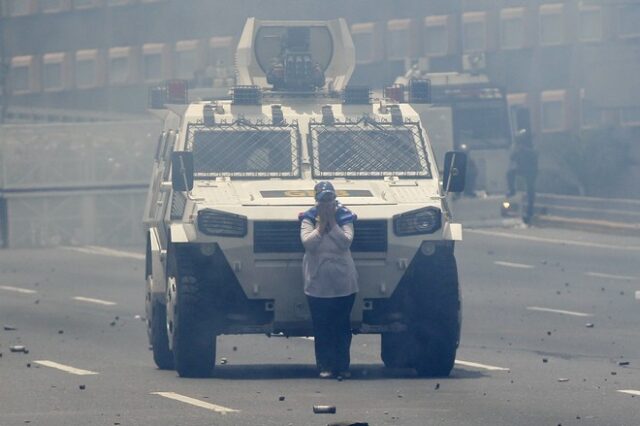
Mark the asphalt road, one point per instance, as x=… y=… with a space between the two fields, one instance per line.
x=527 y=355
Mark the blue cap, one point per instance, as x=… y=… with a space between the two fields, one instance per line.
x=324 y=191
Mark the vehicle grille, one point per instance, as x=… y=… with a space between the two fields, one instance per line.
x=284 y=237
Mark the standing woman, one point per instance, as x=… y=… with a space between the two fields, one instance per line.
x=330 y=279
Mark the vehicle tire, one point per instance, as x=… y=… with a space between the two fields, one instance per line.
x=193 y=341
x=394 y=350
x=435 y=316
x=162 y=355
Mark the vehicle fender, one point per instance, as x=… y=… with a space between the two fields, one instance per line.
x=182 y=233
x=452 y=231
x=158 y=254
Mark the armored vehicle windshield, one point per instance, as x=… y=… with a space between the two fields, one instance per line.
x=368 y=149
x=244 y=150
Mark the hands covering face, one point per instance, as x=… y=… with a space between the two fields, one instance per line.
x=326 y=215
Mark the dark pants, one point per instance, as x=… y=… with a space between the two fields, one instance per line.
x=530 y=184
x=331 y=318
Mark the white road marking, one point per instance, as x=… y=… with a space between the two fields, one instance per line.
x=558 y=311
x=482 y=366
x=630 y=392
x=103 y=251
x=196 y=402
x=17 y=289
x=66 y=368
x=553 y=240
x=91 y=300
x=308 y=338
x=513 y=265
x=613 y=277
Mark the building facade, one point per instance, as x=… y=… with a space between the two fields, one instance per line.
x=574 y=63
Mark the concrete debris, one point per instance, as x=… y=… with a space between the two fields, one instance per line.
x=621 y=363
x=9 y=328
x=36 y=301
x=545 y=360
x=223 y=360
x=613 y=373
x=235 y=348
x=18 y=348
x=281 y=398
x=82 y=387
x=437 y=386
x=563 y=379
x=60 y=331
x=28 y=365
x=324 y=409
x=589 y=325
x=112 y=323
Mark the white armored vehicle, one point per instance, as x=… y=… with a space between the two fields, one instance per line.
x=231 y=176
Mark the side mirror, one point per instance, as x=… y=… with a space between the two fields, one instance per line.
x=455 y=171
x=182 y=170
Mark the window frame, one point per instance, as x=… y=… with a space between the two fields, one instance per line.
x=30 y=8
x=396 y=26
x=151 y=49
x=436 y=21
x=584 y=124
x=23 y=62
x=474 y=18
x=552 y=9
x=619 y=19
x=60 y=59
x=85 y=56
x=587 y=9
x=365 y=28
x=512 y=14
x=183 y=46
x=117 y=53
x=62 y=6
x=549 y=96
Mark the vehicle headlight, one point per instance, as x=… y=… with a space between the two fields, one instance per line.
x=422 y=221
x=214 y=222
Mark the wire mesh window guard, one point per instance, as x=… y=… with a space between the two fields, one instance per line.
x=368 y=148
x=244 y=150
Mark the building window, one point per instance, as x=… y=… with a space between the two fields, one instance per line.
x=590 y=24
x=20 y=74
x=629 y=19
x=186 y=59
x=53 y=72
x=86 y=68
x=20 y=7
x=119 y=65
x=153 y=62
x=512 y=28
x=630 y=116
x=551 y=24
x=474 y=32
x=51 y=5
x=398 y=41
x=220 y=69
x=552 y=114
x=363 y=40
x=436 y=36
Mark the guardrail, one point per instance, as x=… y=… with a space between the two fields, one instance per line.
x=74 y=184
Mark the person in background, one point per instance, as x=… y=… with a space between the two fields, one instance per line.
x=523 y=161
x=330 y=279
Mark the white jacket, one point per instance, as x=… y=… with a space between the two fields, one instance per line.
x=327 y=267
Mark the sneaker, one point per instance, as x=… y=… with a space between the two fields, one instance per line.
x=325 y=374
x=344 y=375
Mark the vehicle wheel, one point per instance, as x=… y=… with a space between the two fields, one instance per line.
x=435 y=316
x=192 y=341
x=162 y=355
x=394 y=350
